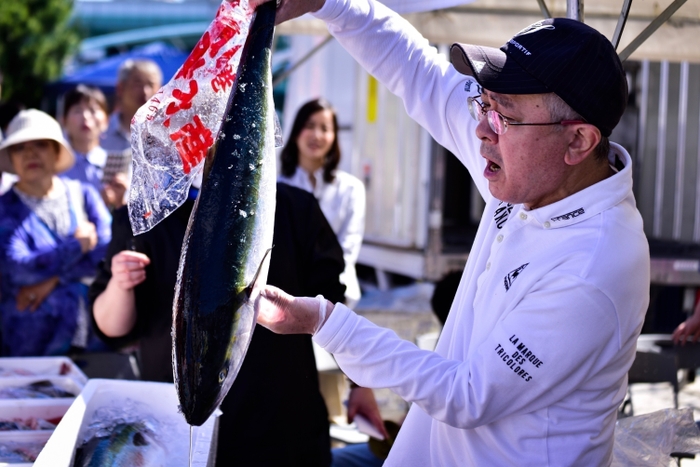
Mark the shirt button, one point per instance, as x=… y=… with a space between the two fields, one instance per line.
x=499 y=239
x=488 y=266
x=523 y=216
x=547 y=225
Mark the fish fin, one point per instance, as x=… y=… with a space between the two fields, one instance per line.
x=209 y=161
x=254 y=283
x=279 y=140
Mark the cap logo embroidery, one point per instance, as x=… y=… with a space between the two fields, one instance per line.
x=519 y=47
x=508 y=280
x=538 y=26
x=478 y=65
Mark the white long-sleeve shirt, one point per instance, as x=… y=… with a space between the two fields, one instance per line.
x=343 y=204
x=532 y=363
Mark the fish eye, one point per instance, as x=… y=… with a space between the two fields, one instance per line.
x=140 y=440
x=222 y=375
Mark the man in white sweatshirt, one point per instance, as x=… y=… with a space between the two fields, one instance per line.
x=532 y=363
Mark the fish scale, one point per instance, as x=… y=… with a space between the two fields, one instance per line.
x=228 y=237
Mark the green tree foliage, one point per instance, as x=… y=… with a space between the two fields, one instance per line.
x=35 y=39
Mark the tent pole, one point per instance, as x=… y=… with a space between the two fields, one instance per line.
x=574 y=9
x=621 y=22
x=544 y=9
x=649 y=30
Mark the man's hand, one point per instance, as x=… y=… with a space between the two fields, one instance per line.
x=283 y=314
x=290 y=9
x=689 y=330
x=129 y=269
x=113 y=193
x=32 y=296
x=361 y=401
x=86 y=234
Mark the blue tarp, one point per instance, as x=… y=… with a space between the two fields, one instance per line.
x=103 y=74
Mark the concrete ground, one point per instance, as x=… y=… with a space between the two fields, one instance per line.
x=652 y=397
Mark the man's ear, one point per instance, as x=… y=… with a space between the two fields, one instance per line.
x=585 y=138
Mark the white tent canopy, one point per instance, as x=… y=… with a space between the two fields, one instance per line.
x=413 y=6
x=493 y=22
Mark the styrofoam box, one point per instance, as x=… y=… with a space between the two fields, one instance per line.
x=23 y=437
x=161 y=400
x=48 y=410
x=43 y=366
x=64 y=382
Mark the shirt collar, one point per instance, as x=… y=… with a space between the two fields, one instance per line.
x=592 y=200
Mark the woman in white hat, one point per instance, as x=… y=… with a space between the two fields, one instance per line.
x=53 y=233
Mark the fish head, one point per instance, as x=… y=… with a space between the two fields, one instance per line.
x=126 y=444
x=219 y=358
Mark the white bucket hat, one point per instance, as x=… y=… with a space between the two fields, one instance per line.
x=31 y=125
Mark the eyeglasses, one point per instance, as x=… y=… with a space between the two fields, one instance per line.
x=498 y=123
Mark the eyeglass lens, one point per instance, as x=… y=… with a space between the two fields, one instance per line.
x=474 y=109
x=496 y=122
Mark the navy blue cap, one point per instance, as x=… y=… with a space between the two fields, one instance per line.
x=558 y=55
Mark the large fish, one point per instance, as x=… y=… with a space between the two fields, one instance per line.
x=228 y=237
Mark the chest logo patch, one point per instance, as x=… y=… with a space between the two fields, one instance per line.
x=500 y=216
x=569 y=215
x=511 y=276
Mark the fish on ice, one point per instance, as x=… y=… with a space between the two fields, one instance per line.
x=126 y=445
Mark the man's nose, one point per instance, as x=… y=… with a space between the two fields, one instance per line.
x=484 y=131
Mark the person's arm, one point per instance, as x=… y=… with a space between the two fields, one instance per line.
x=32 y=260
x=569 y=328
x=112 y=299
x=361 y=401
x=114 y=309
x=287 y=10
x=30 y=297
x=114 y=192
x=689 y=330
x=98 y=215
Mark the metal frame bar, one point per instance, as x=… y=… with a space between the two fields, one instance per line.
x=696 y=230
x=680 y=154
x=621 y=22
x=642 y=125
x=650 y=29
x=661 y=149
x=574 y=9
x=544 y=9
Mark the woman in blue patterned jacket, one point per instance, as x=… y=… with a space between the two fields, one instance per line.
x=53 y=233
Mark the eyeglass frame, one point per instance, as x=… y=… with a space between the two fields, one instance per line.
x=479 y=114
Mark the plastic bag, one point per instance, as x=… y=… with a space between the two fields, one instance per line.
x=649 y=440
x=172 y=132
